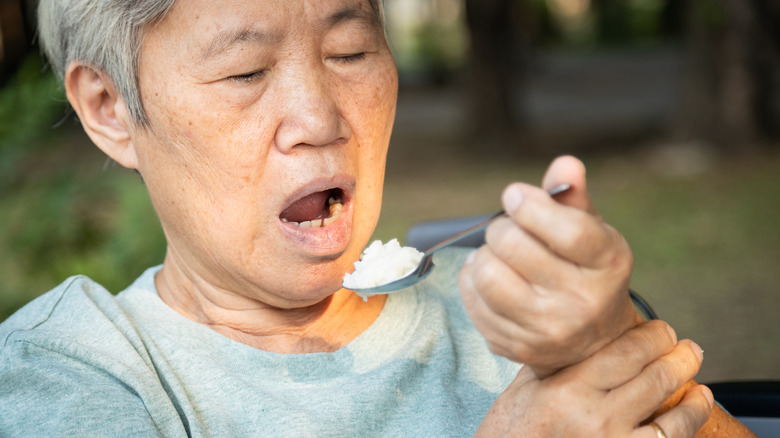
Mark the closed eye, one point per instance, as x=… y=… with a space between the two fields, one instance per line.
x=247 y=78
x=346 y=59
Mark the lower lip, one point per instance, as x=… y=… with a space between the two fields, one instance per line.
x=322 y=241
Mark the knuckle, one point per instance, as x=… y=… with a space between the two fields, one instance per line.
x=592 y=306
x=501 y=237
x=622 y=258
x=666 y=376
x=557 y=337
x=484 y=276
x=608 y=248
x=577 y=236
x=693 y=420
x=494 y=232
x=631 y=348
x=688 y=421
x=562 y=390
x=657 y=332
x=617 y=257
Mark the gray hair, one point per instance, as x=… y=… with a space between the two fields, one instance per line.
x=104 y=34
x=107 y=34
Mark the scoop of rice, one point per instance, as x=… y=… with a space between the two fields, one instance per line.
x=381 y=264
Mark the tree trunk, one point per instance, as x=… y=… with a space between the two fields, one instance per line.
x=728 y=97
x=492 y=72
x=738 y=90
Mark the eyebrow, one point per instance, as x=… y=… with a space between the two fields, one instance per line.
x=353 y=14
x=224 y=40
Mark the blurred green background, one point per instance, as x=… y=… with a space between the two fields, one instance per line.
x=627 y=86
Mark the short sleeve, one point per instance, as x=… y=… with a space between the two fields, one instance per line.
x=46 y=393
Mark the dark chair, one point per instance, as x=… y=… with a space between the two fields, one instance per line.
x=755 y=403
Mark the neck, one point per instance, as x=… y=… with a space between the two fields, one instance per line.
x=324 y=326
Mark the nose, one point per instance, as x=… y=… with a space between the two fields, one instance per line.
x=311 y=114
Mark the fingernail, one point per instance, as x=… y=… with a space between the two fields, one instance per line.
x=672 y=333
x=708 y=395
x=697 y=351
x=513 y=197
x=470 y=259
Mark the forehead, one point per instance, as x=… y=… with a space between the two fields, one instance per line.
x=192 y=20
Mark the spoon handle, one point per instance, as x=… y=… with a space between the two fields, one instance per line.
x=482 y=225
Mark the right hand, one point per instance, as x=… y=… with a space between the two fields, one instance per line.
x=550 y=287
x=609 y=394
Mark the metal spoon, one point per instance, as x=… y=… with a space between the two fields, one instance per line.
x=426 y=263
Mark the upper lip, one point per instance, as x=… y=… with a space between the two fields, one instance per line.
x=343 y=182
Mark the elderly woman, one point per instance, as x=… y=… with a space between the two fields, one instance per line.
x=260 y=129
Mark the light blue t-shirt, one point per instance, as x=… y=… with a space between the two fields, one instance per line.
x=79 y=361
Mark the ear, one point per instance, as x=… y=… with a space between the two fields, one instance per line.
x=102 y=111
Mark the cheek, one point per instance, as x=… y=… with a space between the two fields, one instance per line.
x=202 y=186
x=221 y=151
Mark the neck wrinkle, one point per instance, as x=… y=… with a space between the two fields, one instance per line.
x=325 y=326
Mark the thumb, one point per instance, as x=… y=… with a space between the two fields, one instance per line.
x=569 y=170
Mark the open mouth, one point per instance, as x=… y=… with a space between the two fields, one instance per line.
x=316 y=210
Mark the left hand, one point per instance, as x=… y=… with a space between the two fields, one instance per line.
x=550 y=287
x=610 y=394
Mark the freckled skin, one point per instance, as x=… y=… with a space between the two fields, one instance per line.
x=223 y=154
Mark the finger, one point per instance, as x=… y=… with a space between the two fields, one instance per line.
x=513 y=318
x=504 y=299
x=659 y=380
x=571 y=233
x=531 y=312
x=529 y=257
x=504 y=337
x=569 y=170
x=685 y=419
x=624 y=358
x=499 y=286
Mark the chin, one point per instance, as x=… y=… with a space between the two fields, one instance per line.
x=317 y=284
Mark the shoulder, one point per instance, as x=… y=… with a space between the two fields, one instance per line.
x=50 y=308
x=69 y=354
x=64 y=311
x=79 y=320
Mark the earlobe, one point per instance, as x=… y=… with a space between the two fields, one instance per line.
x=102 y=111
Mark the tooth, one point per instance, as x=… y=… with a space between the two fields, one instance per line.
x=305 y=224
x=316 y=223
x=329 y=220
x=285 y=220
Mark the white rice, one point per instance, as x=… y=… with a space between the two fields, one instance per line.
x=381 y=264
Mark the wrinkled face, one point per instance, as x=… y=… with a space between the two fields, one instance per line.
x=265 y=157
